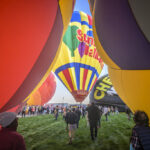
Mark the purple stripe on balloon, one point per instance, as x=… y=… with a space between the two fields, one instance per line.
x=120 y=35
x=81 y=49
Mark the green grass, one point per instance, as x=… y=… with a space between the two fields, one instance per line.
x=44 y=133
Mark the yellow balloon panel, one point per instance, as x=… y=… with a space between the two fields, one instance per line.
x=133 y=87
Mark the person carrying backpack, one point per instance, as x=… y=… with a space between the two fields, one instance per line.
x=71 y=120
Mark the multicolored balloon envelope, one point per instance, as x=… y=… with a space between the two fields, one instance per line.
x=122 y=37
x=30 y=34
x=78 y=65
x=44 y=93
x=104 y=94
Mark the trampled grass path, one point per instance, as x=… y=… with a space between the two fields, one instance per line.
x=44 y=133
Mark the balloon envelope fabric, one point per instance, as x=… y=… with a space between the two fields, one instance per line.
x=122 y=35
x=31 y=32
x=78 y=65
x=104 y=94
x=45 y=92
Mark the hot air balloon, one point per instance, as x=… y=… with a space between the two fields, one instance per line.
x=30 y=35
x=78 y=65
x=104 y=94
x=18 y=108
x=122 y=35
x=44 y=93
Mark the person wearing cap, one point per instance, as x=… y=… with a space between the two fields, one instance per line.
x=10 y=139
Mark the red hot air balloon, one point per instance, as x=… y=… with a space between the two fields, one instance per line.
x=30 y=31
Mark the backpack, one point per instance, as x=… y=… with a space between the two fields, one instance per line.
x=72 y=118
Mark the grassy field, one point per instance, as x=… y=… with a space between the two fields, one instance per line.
x=44 y=133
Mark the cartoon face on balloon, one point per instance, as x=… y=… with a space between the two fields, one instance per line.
x=122 y=35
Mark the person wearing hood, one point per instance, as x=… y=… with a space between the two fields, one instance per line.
x=10 y=139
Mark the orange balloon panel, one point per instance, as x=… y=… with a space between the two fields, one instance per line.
x=48 y=88
x=35 y=99
x=45 y=92
x=30 y=31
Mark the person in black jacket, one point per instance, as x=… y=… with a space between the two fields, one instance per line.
x=78 y=113
x=71 y=120
x=93 y=116
x=140 y=139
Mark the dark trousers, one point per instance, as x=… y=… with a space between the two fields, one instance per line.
x=78 y=124
x=23 y=113
x=106 y=115
x=99 y=122
x=56 y=116
x=93 y=130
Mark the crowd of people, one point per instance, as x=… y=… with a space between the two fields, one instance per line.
x=50 y=109
x=33 y=110
x=140 y=139
x=72 y=115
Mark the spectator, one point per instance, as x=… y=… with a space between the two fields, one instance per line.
x=109 y=111
x=140 y=139
x=24 y=111
x=128 y=112
x=101 y=112
x=78 y=113
x=112 y=110
x=64 y=113
x=93 y=115
x=9 y=138
x=83 y=112
x=106 y=113
x=116 y=110
x=71 y=120
x=56 y=111
x=87 y=118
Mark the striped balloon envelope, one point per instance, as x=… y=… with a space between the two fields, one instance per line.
x=78 y=65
